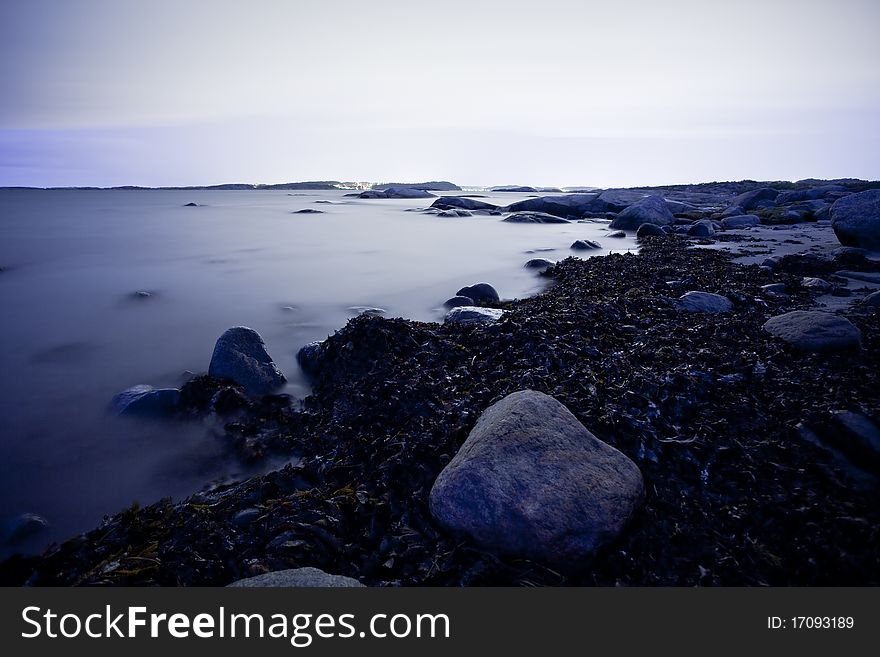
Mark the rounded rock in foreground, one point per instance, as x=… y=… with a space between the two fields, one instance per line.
x=816 y=331
x=472 y=315
x=479 y=292
x=531 y=481
x=240 y=355
x=299 y=578
x=704 y=302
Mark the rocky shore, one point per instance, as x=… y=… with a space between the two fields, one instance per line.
x=680 y=416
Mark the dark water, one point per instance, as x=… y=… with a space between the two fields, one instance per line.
x=72 y=334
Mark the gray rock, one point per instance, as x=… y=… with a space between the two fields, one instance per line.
x=757 y=198
x=858 y=436
x=649 y=230
x=457 y=301
x=810 y=330
x=145 y=400
x=534 y=218
x=473 y=315
x=704 y=302
x=531 y=481
x=367 y=310
x=872 y=299
x=733 y=211
x=309 y=357
x=770 y=262
x=819 y=284
x=614 y=200
x=740 y=221
x=813 y=193
x=479 y=292
x=308 y=211
x=539 y=263
x=297 y=578
x=191 y=204
x=703 y=228
x=396 y=192
x=22 y=527
x=775 y=289
x=585 y=245
x=866 y=276
x=856 y=219
x=240 y=354
x=462 y=203
x=617 y=233
x=569 y=205
x=649 y=210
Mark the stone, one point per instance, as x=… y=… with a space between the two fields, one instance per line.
x=297 y=578
x=309 y=357
x=531 y=481
x=479 y=292
x=473 y=315
x=617 y=233
x=568 y=205
x=872 y=299
x=396 y=192
x=22 y=527
x=649 y=210
x=703 y=228
x=865 y=276
x=462 y=203
x=585 y=245
x=240 y=355
x=191 y=204
x=308 y=211
x=858 y=436
x=456 y=301
x=815 y=331
x=704 y=302
x=819 y=284
x=534 y=218
x=367 y=310
x=775 y=289
x=740 y=221
x=649 y=230
x=733 y=211
x=756 y=198
x=539 y=263
x=145 y=400
x=856 y=219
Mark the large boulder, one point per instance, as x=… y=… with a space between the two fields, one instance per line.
x=703 y=228
x=462 y=203
x=309 y=357
x=240 y=354
x=569 y=205
x=649 y=210
x=810 y=194
x=649 y=230
x=856 y=219
x=614 y=200
x=479 y=292
x=704 y=302
x=297 y=578
x=531 y=481
x=396 y=192
x=765 y=197
x=812 y=330
x=740 y=221
x=146 y=400
x=473 y=315
x=534 y=218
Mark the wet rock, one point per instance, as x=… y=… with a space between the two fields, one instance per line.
x=756 y=198
x=309 y=357
x=534 y=218
x=396 y=192
x=818 y=284
x=649 y=230
x=585 y=245
x=297 y=578
x=815 y=331
x=740 y=221
x=191 y=205
x=532 y=481
x=454 y=213
x=866 y=276
x=146 y=400
x=23 y=527
x=569 y=205
x=856 y=219
x=614 y=200
x=770 y=262
x=141 y=295
x=462 y=203
x=240 y=355
x=473 y=315
x=814 y=193
x=308 y=211
x=858 y=436
x=479 y=292
x=872 y=299
x=775 y=289
x=704 y=302
x=649 y=210
x=228 y=401
x=456 y=301
x=539 y=264
x=703 y=228
x=733 y=211
x=366 y=310
x=617 y=233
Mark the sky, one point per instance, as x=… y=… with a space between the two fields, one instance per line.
x=480 y=92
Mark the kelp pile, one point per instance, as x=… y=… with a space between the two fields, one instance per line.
x=707 y=405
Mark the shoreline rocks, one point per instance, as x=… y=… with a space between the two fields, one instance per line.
x=146 y=400
x=479 y=292
x=649 y=210
x=240 y=355
x=816 y=331
x=473 y=315
x=855 y=219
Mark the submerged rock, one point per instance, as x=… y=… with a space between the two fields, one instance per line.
x=617 y=233
x=856 y=219
x=473 y=315
x=191 y=204
x=569 y=205
x=811 y=330
x=539 y=263
x=462 y=203
x=531 y=481
x=308 y=211
x=741 y=221
x=240 y=355
x=479 y=292
x=309 y=357
x=649 y=230
x=585 y=245
x=704 y=302
x=23 y=527
x=396 y=192
x=649 y=210
x=297 y=578
x=456 y=301
x=534 y=218
x=145 y=400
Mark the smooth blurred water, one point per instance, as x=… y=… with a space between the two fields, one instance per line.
x=71 y=334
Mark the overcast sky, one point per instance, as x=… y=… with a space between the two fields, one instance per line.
x=482 y=92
